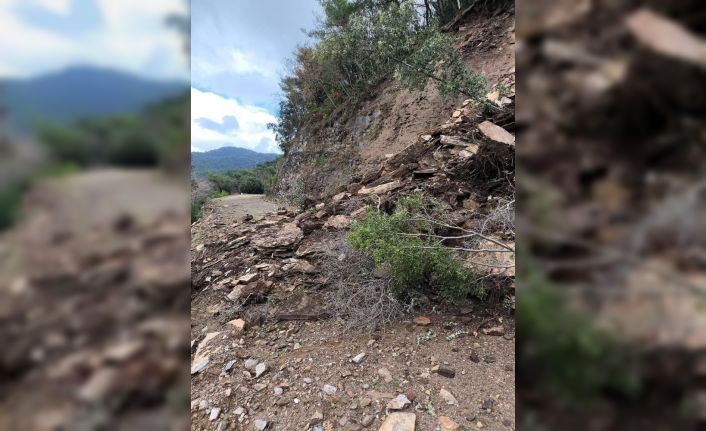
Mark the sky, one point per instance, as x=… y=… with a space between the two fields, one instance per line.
x=239 y=52
x=42 y=36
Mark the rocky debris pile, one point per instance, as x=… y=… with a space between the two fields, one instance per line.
x=94 y=320
x=256 y=303
x=256 y=258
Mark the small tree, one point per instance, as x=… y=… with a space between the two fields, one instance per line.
x=360 y=44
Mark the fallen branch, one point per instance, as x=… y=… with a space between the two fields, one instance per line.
x=285 y=317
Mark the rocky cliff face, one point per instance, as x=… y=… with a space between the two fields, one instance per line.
x=327 y=157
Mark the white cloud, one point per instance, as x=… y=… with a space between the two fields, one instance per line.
x=242 y=63
x=59 y=7
x=132 y=35
x=252 y=132
x=28 y=45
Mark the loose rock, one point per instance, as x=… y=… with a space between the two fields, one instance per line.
x=448 y=397
x=422 y=321
x=260 y=369
x=399 y=422
x=385 y=373
x=215 y=412
x=448 y=424
x=399 y=402
x=358 y=358
x=260 y=424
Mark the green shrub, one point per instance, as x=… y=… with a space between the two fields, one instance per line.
x=10 y=199
x=399 y=245
x=196 y=210
x=258 y=180
x=563 y=354
x=11 y=194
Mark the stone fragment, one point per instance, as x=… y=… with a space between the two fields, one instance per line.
x=338 y=222
x=446 y=372
x=470 y=205
x=339 y=197
x=448 y=424
x=367 y=420
x=260 y=424
x=422 y=321
x=260 y=369
x=454 y=141
x=399 y=402
x=399 y=422
x=316 y=419
x=250 y=364
x=385 y=373
x=381 y=189
x=215 y=412
x=247 y=278
x=278 y=238
x=330 y=390
x=200 y=366
x=238 y=324
x=667 y=37
x=448 y=397
x=496 y=133
x=357 y=359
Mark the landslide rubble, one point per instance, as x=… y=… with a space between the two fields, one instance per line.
x=261 y=295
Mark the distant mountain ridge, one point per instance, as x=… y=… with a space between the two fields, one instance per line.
x=78 y=92
x=227 y=158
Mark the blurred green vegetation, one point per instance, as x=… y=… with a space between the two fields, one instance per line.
x=11 y=194
x=258 y=180
x=157 y=136
x=560 y=352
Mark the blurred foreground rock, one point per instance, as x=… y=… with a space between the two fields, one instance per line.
x=94 y=302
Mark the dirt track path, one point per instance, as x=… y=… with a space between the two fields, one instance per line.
x=227 y=210
x=232 y=207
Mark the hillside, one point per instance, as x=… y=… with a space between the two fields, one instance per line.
x=227 y=158
x=325 y=156
x=79 y=92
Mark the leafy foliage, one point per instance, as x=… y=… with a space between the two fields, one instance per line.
x=400 y=245
x=565 y=353
x=257 y=180
x=11 y=194
x=155 y=137
x=10 y=198
x=359 y=44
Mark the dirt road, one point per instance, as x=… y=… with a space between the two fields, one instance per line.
x=235 y=206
